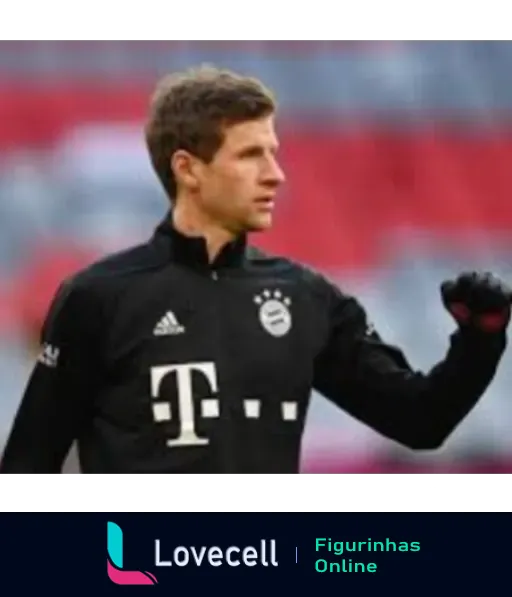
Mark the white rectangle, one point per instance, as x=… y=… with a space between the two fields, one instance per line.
x=210 y=408
x=289 y=411
x=252 y=408
x=162 y=411
x=433 y=493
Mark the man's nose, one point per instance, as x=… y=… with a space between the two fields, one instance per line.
x=274 y=174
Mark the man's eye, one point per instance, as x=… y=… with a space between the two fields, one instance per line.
x=252 y=152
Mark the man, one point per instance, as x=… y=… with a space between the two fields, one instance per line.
x=197 y=353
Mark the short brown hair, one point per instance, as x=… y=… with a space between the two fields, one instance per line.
x=190 y=110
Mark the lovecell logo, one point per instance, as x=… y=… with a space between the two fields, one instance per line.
x=115 y=569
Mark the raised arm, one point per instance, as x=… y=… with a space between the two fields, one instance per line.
x=373 y=381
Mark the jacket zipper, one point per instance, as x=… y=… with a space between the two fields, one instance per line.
x=229 y=450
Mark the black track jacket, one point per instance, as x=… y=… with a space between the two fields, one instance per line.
x=156 y=361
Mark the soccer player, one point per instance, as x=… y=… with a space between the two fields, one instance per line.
x=197 y=353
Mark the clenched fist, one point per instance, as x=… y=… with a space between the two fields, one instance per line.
x=478 y=300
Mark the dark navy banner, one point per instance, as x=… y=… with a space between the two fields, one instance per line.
x=245 y=554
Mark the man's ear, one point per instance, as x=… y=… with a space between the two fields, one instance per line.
x=185 y=167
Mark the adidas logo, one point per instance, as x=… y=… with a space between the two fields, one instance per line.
x=168 y=326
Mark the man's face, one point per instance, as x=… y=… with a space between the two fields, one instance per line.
x=238 y=186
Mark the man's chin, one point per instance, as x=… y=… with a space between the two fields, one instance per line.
x=260 y=223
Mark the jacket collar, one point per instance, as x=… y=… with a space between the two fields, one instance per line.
x=192 y=251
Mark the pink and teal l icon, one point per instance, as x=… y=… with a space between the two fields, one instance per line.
x=115 y=561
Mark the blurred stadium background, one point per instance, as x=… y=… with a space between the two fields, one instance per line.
x=399 y=162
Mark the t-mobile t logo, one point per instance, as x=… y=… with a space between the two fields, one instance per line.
x=186 y=416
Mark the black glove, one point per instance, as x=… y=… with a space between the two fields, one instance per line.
x=478 y=300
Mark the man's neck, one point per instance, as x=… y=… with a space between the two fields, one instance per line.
x=192 y=222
